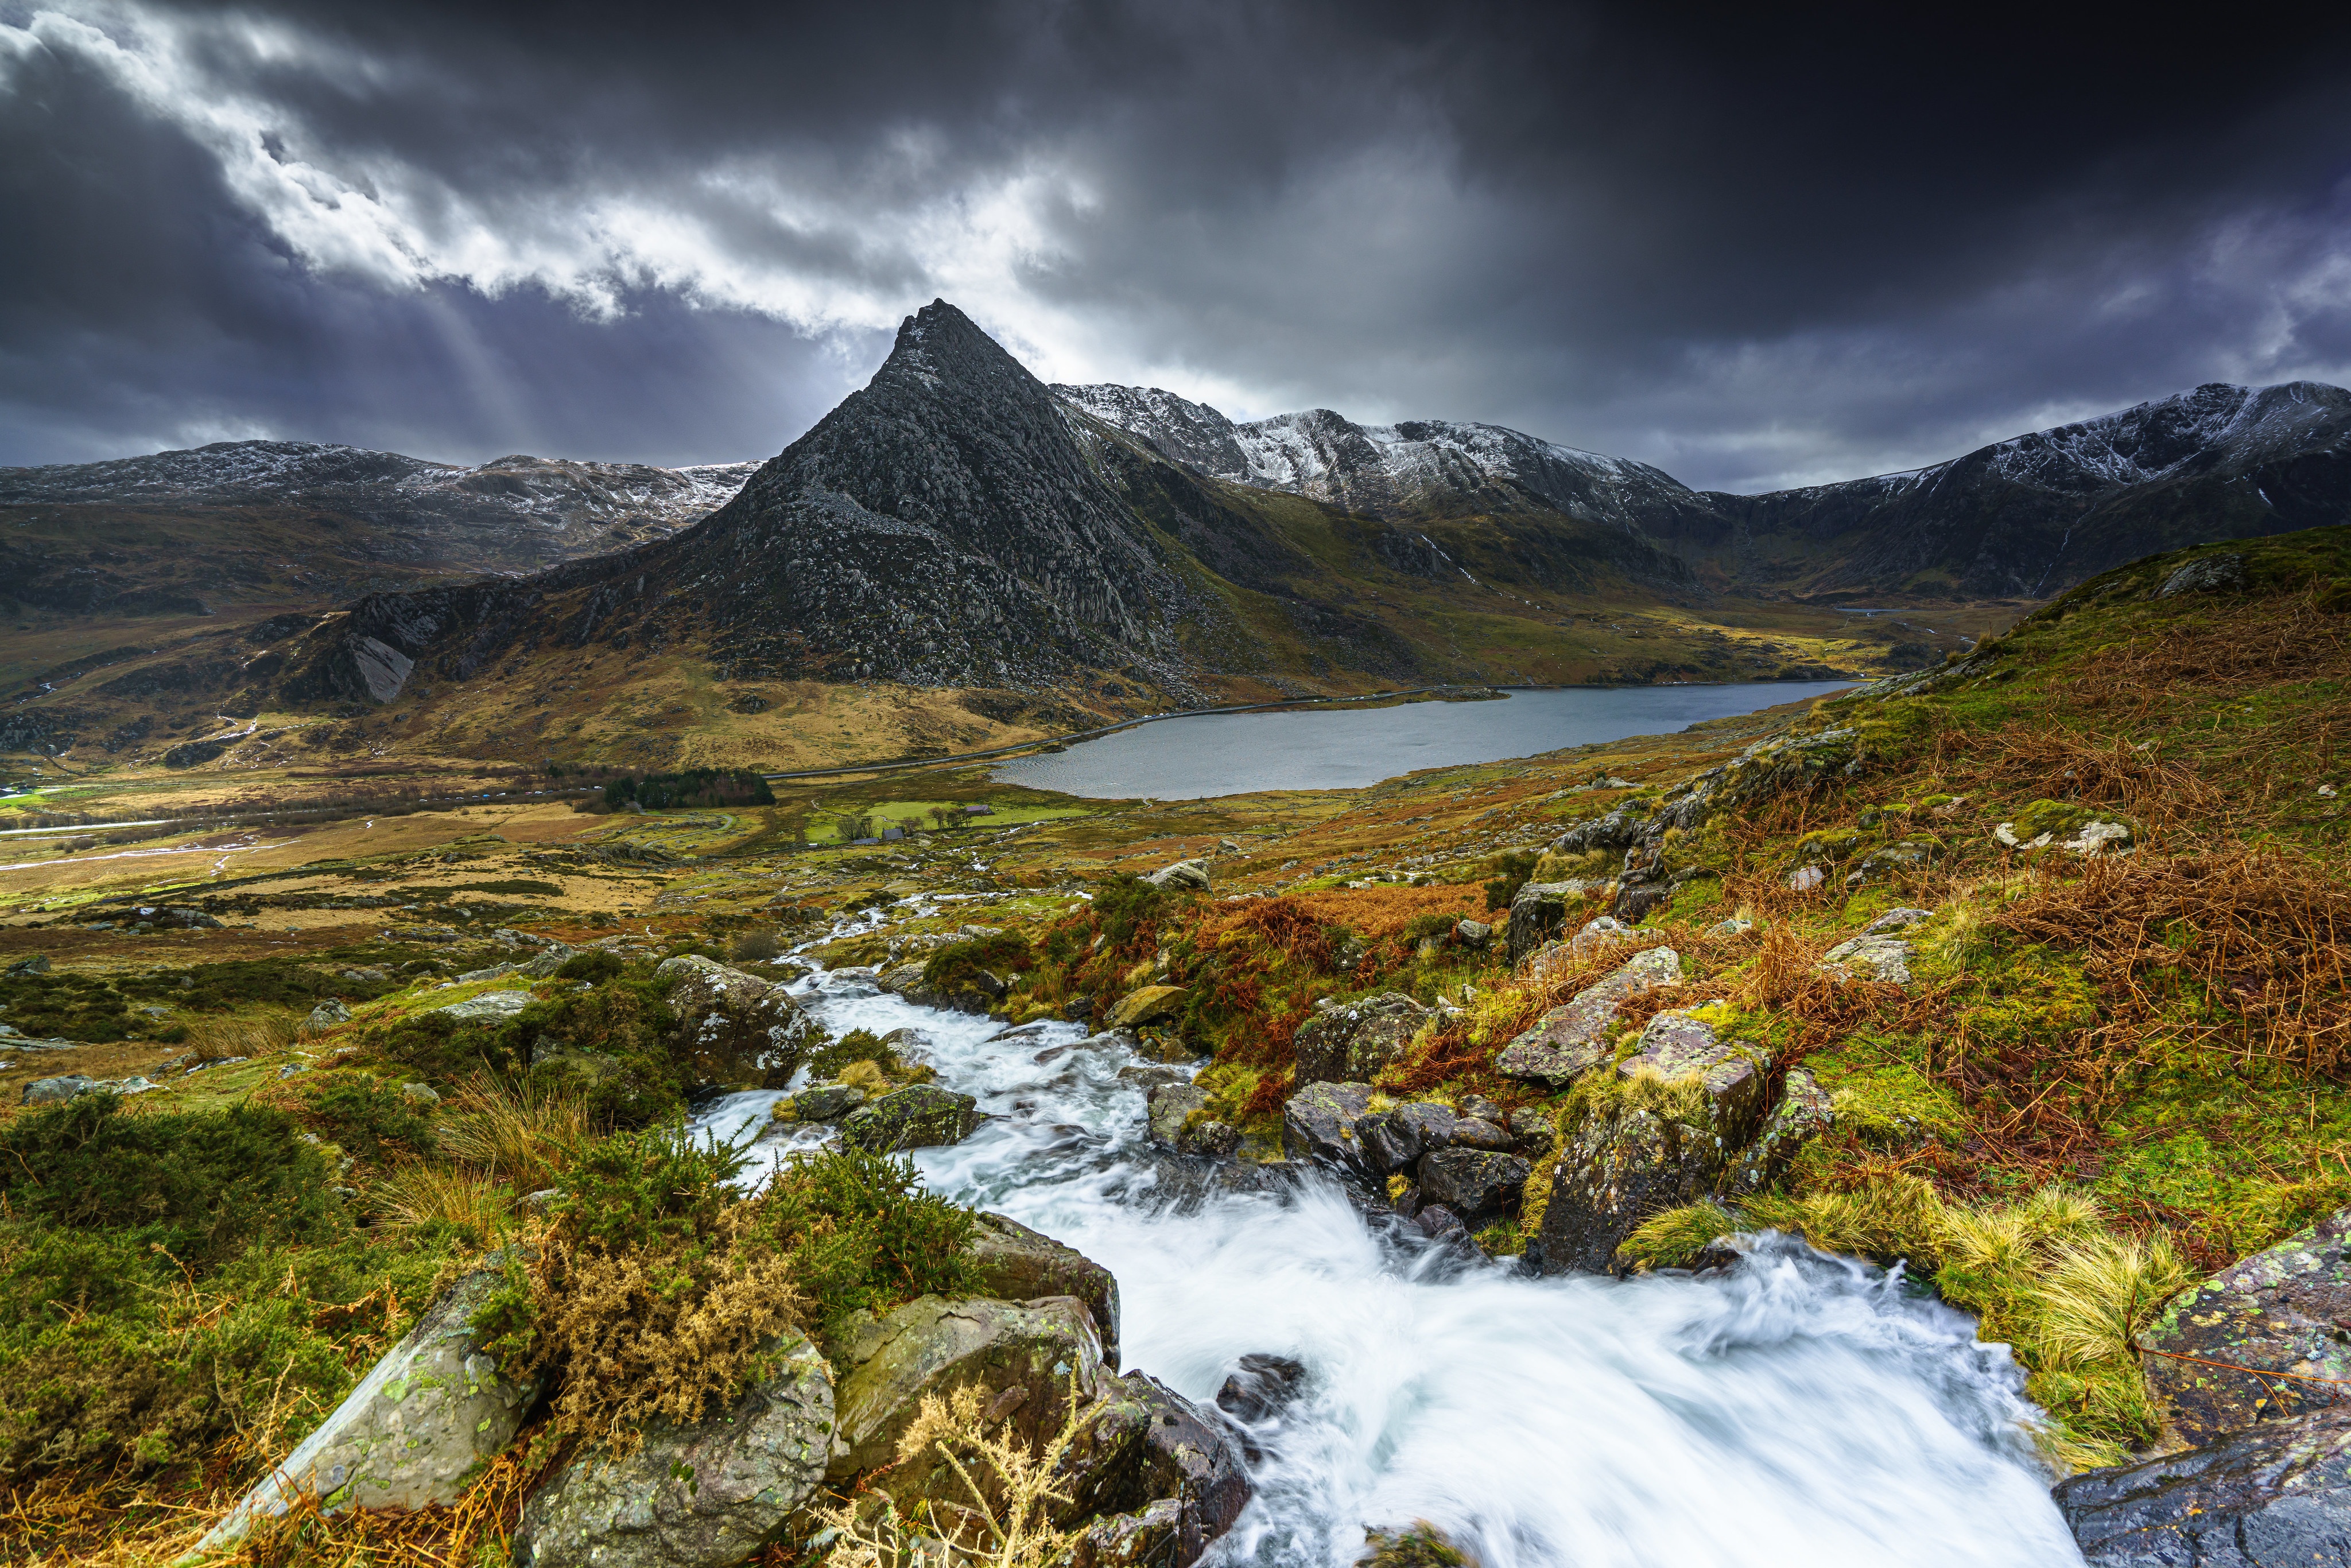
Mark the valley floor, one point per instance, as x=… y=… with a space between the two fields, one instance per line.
x=2096 y=1073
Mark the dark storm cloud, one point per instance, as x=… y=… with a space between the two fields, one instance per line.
x=1753 y=249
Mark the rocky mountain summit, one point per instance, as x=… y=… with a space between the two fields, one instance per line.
x=2023 y=518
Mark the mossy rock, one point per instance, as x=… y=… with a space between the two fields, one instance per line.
x=920 y=1116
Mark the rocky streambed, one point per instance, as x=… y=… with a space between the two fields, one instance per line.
x=1290 y=1363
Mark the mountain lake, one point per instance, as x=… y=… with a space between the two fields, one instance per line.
x=1343 y=749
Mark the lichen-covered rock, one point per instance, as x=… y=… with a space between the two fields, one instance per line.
x=326 y=1016
x=2287 y=1309
x=1193 y=873
x=1147 y=1537
x=1170 y=1104
x=822 y=1102
x=1318 y=1124
x=1349 y=1043
x=735 y=1027
x=703 y=1496
x=1680 y=1045
x=1391 y=1141
x=493 y=1005
x=2277 y=1494
x=1619 y=1167
x=1476 y=1133
x=1150 y=1004
x=919 y=1116
x=1049 y=1349
x=1017 y=1264
x=1572 y=1039
x=1478 y=1186
x=1804 y=1113
x=426 y=1415
x=1881 y=959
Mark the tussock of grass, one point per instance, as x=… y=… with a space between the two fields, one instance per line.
x=522 y=1136
x=473 y=1206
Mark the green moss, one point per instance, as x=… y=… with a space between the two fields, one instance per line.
x=1889 y=1103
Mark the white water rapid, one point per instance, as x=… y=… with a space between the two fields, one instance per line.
x=1801 y=1410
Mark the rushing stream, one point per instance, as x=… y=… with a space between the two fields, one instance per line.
x=1801 y=1410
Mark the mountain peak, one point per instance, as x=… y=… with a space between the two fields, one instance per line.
x=940 y=344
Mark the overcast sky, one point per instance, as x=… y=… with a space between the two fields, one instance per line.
x=1752 y=251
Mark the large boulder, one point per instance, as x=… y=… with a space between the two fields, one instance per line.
x=1317 y=1126
x=1349 y=1043
x=1017 y=1264
x=420 y=1422
x=701 y=1496
x=1049 y=1349
x=1477 y=1186
x=2286 y=1310
x=1193 y=873
x=1143 y=1442
x=919 y=1116
x=496 y=1006
x=735 y=1027
x=1572 y=1038
x=2277 y=1494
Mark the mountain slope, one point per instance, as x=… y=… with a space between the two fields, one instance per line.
x=2021 y=518
x=952 y=545
x=280 y=524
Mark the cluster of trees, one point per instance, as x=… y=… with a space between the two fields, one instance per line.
x=693 y=787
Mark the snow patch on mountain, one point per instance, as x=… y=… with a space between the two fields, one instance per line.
x=246 y=472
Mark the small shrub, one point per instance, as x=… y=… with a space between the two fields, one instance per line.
x=1000 y=1509
x=828 y=1061
x=757 y=945
x=595 y=966
x=653 y=1293
x=371 y=1121
x=1511 y=869
x=201 y=1185
x=956 y=967
x=1126 y=907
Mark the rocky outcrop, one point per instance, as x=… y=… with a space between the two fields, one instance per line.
x=1319 y=1126
x=2283 y=1311
x=2279 y=1493
x=1143 y=1445
x=1571 y=1040
x=1049 y=1349
x=413 y=1434
x=735 y=1027
x=1350 y=1042
x=1169 y=1106
x=701 y=1496
x=1017 y=1264
x=919 y=1116
x=1678 y=1113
